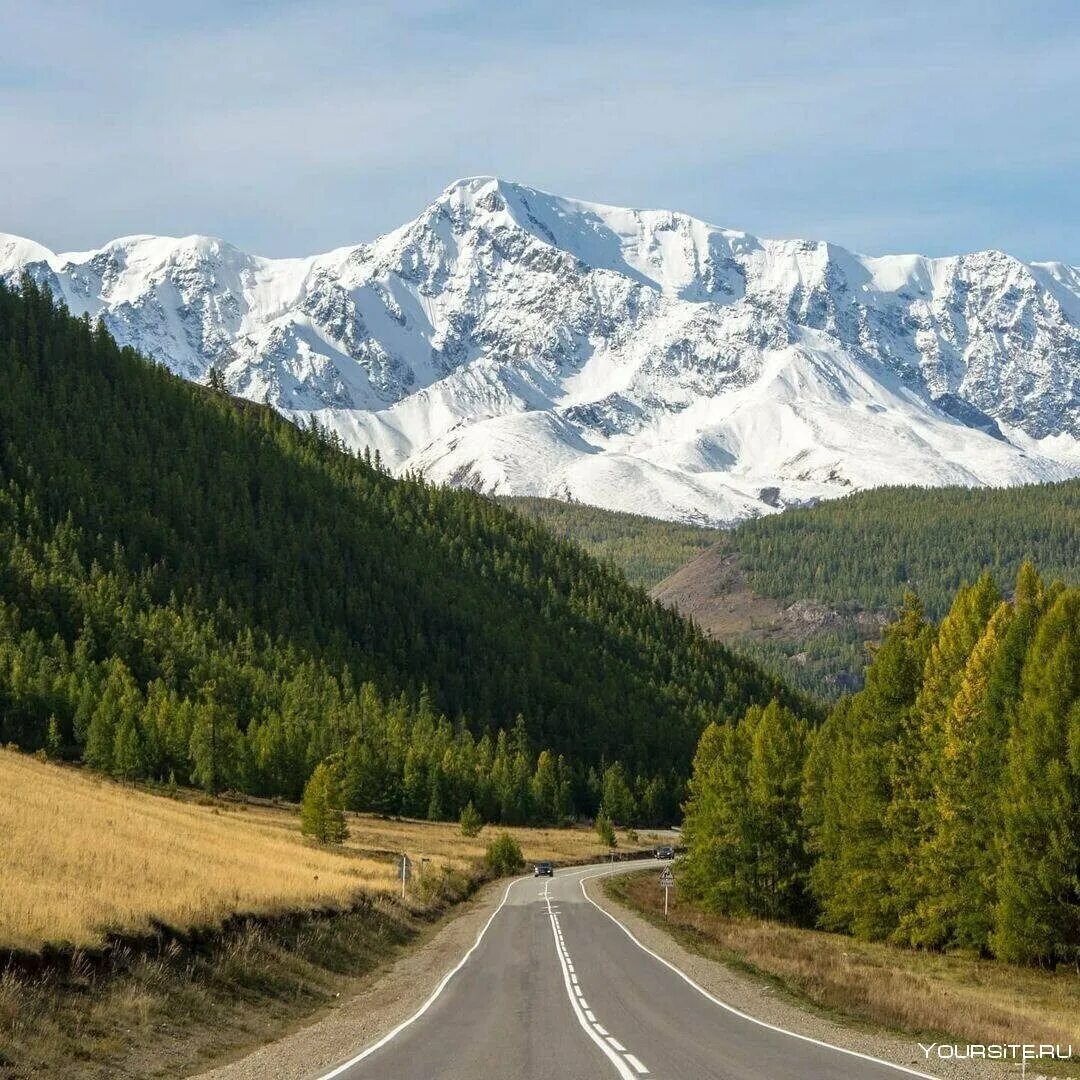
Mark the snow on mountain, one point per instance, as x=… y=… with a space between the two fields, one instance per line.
x=524 y=343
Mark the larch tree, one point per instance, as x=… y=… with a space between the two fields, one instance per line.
x=957 y=861
x=1037 y=916
x=911 y=815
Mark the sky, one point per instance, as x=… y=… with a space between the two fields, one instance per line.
x=291 y=128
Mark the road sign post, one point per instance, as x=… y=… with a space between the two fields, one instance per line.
x=667 y=883
x=405 y=869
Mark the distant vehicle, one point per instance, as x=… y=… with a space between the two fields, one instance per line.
x=665 y=851
x=542 y=868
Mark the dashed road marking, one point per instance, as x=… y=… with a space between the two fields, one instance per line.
x=610 y=1046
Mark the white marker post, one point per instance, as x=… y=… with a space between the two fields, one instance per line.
x=406 y=872
x=667 y=883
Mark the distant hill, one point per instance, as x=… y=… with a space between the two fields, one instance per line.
x=803 y=590
x=645 y=549
x=192 y=585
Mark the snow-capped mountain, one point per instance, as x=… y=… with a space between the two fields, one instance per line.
x=524 y=343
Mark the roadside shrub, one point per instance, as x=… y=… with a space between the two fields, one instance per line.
x=504 y=855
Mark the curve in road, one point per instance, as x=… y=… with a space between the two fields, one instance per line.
x=555 y=986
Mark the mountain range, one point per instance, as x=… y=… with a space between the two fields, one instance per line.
x=521 y=343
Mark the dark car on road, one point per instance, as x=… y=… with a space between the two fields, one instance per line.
x=665 y=851
x=544 y=867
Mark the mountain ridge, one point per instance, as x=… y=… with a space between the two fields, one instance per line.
x=527 y=344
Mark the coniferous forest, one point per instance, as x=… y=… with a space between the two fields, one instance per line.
x=938 y=807
x=192 y=588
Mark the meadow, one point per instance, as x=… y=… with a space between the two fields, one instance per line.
x=85 y=857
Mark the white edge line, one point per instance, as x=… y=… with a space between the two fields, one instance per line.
x=431 y=1000
x=620 y=1066
x=731 y=1008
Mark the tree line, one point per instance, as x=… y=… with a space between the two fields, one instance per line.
x=938 y=807
x=191 y=586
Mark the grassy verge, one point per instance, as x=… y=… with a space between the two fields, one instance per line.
x=86 y=858
x=169 y=1011
x=931 y=996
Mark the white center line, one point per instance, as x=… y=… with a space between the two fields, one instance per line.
x=638 y=1067
x=585 y=1018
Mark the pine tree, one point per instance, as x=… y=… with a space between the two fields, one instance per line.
x=715 y=825
x=53 y=742
x=545 y=788
x=746 y=849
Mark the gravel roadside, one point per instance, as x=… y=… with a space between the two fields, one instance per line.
x=393 y=994
x=763 y=1001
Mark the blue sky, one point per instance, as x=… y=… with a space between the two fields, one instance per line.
x=291 y=128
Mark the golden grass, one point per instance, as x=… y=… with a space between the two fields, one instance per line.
x=967 y=998
x=82 y=856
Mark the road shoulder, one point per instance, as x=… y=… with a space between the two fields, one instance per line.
x=391 y=996
x=764 y=1001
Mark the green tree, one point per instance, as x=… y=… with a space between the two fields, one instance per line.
x=129 y=754
x=911 y=815
x=322 y=813
x=1037 y=916
x=470 y=820
x=858 y=860
x=957 y=860
x=616 y=796
x=545 y=788
x=746 y=849
x=605 y=830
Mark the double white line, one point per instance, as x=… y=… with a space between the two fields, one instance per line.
x=627 y=1066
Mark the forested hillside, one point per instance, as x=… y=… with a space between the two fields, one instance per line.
x=871 y=547
x=803 y=591
x=938 y=807
x=645 y=549
x=192 y=587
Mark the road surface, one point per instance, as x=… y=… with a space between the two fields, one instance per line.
x=556 y=989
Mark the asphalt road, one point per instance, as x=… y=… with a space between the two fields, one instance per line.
x=557 y=989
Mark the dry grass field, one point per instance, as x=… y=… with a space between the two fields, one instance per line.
x=969 y=999
x=83 y=856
